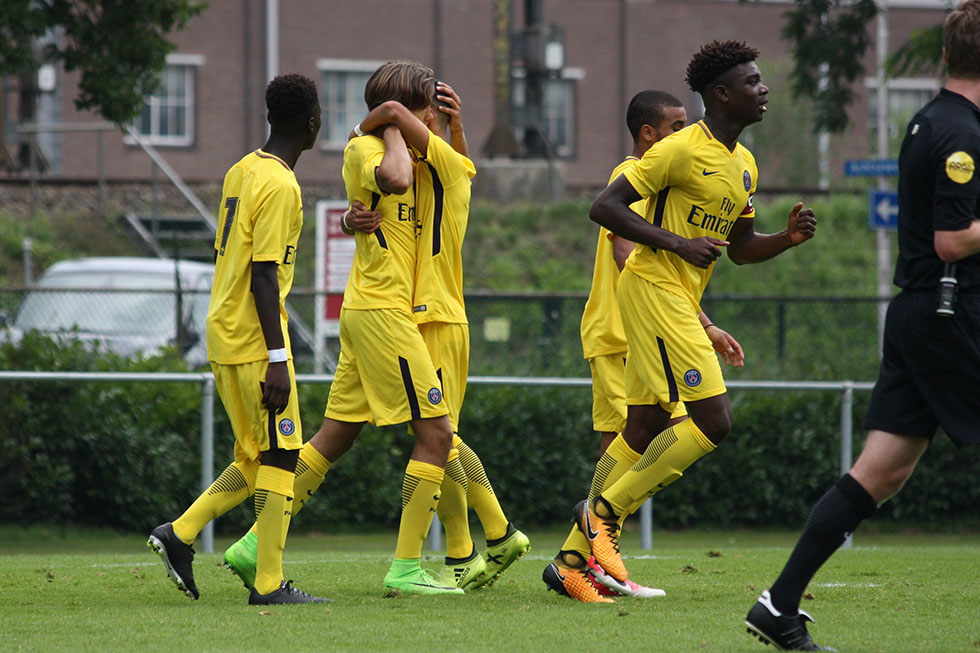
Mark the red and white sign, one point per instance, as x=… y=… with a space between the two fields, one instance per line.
x=334 y=256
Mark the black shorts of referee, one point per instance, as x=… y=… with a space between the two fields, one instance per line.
x=930 y=369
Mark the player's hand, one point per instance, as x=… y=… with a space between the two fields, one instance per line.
x=446 y=93
x=275 y=390
x=802 y=224
x=359 y=218
x=731 y=352
x=700 y=252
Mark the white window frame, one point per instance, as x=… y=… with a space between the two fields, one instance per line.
x=354 y=107
x=928 y=84
x=192 y=63
x=571 y=76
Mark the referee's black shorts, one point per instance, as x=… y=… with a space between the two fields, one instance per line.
x=930 y=370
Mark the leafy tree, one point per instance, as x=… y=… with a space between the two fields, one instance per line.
x=119 y=46
x=923 y=52
x=828 y=48
x=829 y=39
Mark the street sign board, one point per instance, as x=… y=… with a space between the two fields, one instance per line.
x=883 y=209
x=871 y=167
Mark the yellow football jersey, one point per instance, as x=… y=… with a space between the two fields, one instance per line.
x=443 y=209
x=602 y=328
x=261 y=217
x=696 y=187
x=383 y=272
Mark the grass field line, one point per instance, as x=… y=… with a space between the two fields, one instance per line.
x=346 y=557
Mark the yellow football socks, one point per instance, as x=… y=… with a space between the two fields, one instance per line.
x=420 y=495
x=235 y=484
x=452 y=509
x=615 y=461
x=479 y=493
x=273 y=498
x=310 y=470
x=664 y=461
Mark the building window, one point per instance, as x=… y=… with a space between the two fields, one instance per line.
x=557 y=109
x=342 y=91
x=905 y=97
x=167 y=117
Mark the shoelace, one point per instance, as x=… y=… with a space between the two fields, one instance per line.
x=613 y=528
x=288 y=587
x=588 y=579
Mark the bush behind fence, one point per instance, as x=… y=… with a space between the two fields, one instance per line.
x=537 y=334
x=128 y=456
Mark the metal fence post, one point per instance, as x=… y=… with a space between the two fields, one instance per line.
x=646 y=525
x=847 y=438
x=435 y=534
x=207 y=453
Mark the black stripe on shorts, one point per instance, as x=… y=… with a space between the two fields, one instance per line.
x=671 y=382
x=413 y=401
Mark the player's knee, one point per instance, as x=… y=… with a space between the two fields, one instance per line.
x=888 y=483
x=435 y=433
x=716 y=426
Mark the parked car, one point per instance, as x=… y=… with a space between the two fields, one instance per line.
x=128 y=305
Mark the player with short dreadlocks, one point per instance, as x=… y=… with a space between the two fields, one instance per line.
x=259 y=225
x=700 y=182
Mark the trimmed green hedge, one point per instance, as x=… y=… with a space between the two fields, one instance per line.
x=128 y=456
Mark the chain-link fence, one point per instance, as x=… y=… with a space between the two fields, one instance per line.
x=512 y=334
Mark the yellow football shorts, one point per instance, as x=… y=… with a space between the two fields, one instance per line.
x=670 y=355
x=609 y=394
x=449 y=349
x=256 y=429
x=384 y=374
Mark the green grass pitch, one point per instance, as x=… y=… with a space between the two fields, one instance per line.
x=88 y=591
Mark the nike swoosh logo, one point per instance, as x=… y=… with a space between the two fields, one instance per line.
x=706 y=173
x=591 y=534
x=560 y=575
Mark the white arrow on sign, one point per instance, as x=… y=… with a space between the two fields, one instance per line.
x=886 y=209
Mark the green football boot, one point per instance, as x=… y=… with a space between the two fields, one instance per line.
x=464 y=573
x=502 y=555
x=406 y=577
x=241 y=558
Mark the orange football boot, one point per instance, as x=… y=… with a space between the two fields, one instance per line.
x=573 y=583
x=603 y=536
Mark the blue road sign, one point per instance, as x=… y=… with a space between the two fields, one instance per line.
x=871 y=167
x=883 y=209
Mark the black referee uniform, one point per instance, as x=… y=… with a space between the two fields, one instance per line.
x=930 y=368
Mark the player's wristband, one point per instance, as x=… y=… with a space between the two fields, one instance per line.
x=344 y=220
x=278 y=355
x=709 y=324
x=357 y=129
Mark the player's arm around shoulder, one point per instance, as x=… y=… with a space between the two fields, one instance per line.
x=395 y=173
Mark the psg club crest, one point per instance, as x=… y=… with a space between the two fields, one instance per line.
x=435 y=396
x=692 y=378
x=286 y=426
x=747 y=180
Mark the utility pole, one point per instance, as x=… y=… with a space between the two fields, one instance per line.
x=501 y=142
x=883 y=239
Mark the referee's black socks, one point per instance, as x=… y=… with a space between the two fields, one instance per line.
x=831 y=520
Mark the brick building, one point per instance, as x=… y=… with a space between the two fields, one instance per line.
x=597 y=53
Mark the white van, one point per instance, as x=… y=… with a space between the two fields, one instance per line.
x=128 y=305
